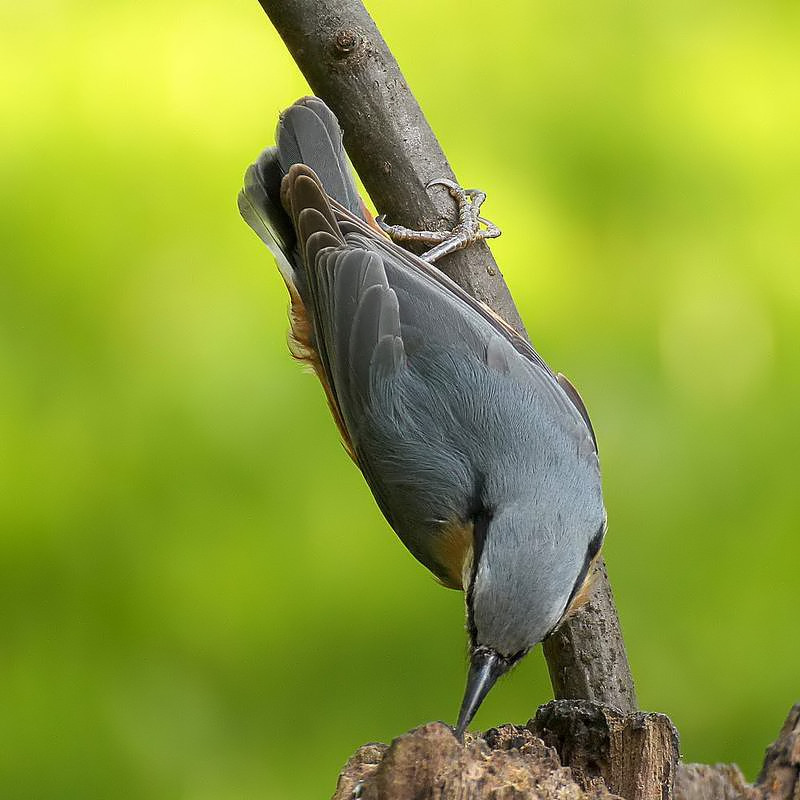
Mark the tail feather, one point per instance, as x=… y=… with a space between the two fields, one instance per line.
x=308 y=133
x=259 y=202
x=259 y=205
x=284 y=202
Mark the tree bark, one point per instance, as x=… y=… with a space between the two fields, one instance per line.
x=429 y=763
x=635 y=755
x=348 y=64
x=779 y=778
x=569 y=751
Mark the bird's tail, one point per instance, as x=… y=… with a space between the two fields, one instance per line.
x=308 y=133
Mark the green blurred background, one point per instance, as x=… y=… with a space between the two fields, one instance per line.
x=199 y=597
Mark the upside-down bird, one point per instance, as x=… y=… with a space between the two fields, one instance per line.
x=482 y=459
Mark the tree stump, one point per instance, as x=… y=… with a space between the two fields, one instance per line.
x=571 y=750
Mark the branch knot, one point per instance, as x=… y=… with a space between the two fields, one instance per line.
x=345 y=42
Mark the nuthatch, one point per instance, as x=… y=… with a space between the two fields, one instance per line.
x=481 y=458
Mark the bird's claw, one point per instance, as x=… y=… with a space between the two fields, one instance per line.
x=467 y=230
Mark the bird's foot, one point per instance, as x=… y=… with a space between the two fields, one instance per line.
x=466 y=231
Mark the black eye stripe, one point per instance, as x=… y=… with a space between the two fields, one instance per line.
x=481 y=517
x=480 y=525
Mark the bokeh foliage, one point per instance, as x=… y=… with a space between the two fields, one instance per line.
x=199 y=598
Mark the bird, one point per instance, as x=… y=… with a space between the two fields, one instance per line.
x=481 y=458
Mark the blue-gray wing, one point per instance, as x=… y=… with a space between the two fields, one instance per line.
x=420 y=373
x=354 y=310
x=375 y=306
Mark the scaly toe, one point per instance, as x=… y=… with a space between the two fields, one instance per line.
x=443 y=182
x=467 y=230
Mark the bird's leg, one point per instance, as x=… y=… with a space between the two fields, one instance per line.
x=466 y=231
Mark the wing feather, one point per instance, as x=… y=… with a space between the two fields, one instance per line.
x=355 y=276
x=560 y=391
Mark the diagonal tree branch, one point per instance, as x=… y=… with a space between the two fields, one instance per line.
x=348 y=64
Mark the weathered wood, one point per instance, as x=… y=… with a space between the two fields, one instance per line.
x=569 y=750
x=429 y=763
x=779 y=778
x=635 y=755
x=348 y=64
x=713 y=782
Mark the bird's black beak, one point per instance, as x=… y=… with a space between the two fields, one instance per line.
x=486 y=666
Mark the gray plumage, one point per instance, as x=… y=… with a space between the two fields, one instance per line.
x=455 y=421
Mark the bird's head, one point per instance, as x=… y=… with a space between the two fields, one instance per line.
x=528 y=564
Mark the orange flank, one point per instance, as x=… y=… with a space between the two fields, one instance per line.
x=582 y=595
x=301 y=347
x=452 y=546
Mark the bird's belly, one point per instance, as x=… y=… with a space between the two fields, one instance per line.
x=430 y=448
